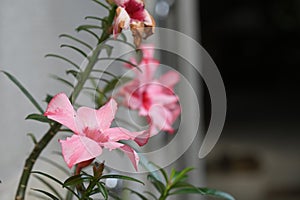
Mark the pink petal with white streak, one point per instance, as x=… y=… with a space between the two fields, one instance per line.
x=106 y=114
x=121 y=21
x=77 y=149
x=133 y=156
x=61 y=110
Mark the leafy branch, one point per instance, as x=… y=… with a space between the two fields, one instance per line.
x=55 y=127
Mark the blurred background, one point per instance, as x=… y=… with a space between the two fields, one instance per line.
x=255 y=45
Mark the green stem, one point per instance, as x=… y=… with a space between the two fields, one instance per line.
x=30 y=161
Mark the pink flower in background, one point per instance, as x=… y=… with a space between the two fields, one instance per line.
x=132 y=13
x=153 y=98
x=91 y=129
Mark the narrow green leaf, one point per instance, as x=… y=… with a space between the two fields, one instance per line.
x=122 y=41
x=136 y=193
x=34 y=140
x=123 y=36
x=87 y=27
x=105 y=72
x=203 y=191
x=74 y=48
x=55 y=180
x=64 y=59
x=216 y=193
x=96 y=18
x=162 y=171
x=47 y=194
x=151 y=194
x=114 y=196
x=157 y=184
x=178 y=176
x=139 y=56
x=63 y=81
x=55 y=164
x=77 y=40
x=88 y=31
x=76 y=180
x=39 y=117
x=122 y=177
x=108 y=49
x=48 y=185
x=101 y=4
x=121 y=60
x=25 y=92
x=48 y=98
x=75 y=73
x=102 y=189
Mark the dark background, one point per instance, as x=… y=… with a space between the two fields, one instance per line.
x=256 y=46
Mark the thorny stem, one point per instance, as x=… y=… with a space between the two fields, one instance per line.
x=55 y=127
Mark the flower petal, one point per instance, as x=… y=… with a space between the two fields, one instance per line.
x=77 y=149
x=143 y=139
x=169 y=79
x=121 y=21
x=120 y=2
x=159 y=116
x=133 y=156
x=118 y=133
x=106 y=114
x=87 y=121
x=61 y=110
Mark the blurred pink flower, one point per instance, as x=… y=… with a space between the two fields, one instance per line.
x=132 y=13
x=91 y=129
x=153 y=98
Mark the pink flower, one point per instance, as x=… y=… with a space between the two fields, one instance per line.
x=91 y=129
x=153 y=98
x=132 y=13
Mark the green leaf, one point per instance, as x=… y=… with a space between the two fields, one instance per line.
x=162 y=171
x=63 y=81
x=96 y=18
x=203 y=191
x=25 y=92
x=74 y=48
x=136 y=193
x=51 y=188
x=55 y=180
x=87 y=27
x=102 y=189
x=55 y=164
x=64 y=59
x=33 y=138
x=76 y=180
x=121 y=60
x=139 y=56
x=124 y=38
x=216 y=193
x=39 y=117
x=101 y=4
x=88 y=31
x=47 y=194
x=151 y=194
x=178 y=176
x=157 y=184
x=114 y=196
x=77 y=40
x=48 y=98
x=122 y=177
x=108 y=49
x=75 y=73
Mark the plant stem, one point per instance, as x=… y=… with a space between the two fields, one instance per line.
x=30 y=161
